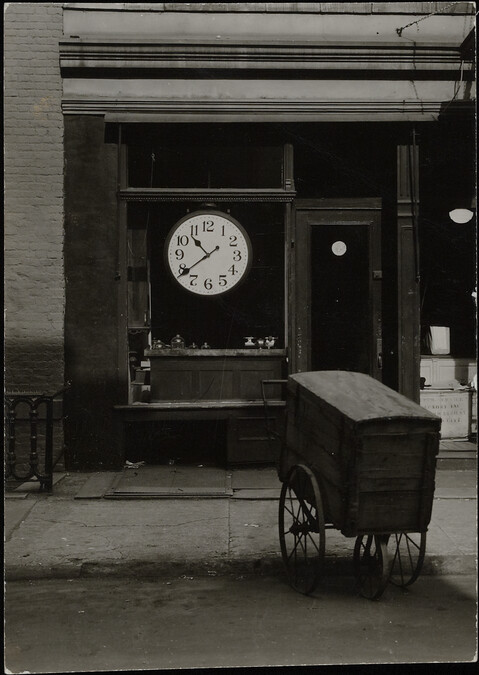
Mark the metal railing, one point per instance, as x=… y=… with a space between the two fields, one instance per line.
x=33 y=403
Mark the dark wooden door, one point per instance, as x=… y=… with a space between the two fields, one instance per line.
x=336 y=308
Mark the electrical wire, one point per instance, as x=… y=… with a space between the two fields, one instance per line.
x=413 y=23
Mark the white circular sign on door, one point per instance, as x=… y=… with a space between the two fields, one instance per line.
x=339 y=248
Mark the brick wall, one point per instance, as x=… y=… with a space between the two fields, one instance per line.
x=33 y=128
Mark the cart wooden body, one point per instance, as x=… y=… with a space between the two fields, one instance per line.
x=372 y=450
x=372 y=453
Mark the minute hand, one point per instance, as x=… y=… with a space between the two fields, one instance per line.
x=186 y=270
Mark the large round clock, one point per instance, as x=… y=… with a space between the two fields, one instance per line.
x=208 y=252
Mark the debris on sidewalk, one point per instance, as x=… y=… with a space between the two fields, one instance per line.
x=133 y=465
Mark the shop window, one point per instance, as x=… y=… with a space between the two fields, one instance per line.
x=338 y=160
x=254 y=308
x=448 y=248
x=206 y=158
x=174 y=164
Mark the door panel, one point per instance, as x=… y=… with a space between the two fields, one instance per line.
x=339 y=298
x=337 y=287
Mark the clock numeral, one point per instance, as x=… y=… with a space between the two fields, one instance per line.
x=208 y=284
x=180 y=254
x=237 y=256
x=182 y=240
x=233 y=240
x=193 y=278
x=222 y=230
x=194 y=229
x=232 y=270
x=222 y=280
x=181 y=269
x=208 y=226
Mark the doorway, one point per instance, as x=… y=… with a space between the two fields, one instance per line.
x=336 y=318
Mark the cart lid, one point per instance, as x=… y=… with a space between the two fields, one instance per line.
x=358 y=396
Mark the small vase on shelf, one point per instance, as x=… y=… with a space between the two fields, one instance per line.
x=270 y=341
x=177 y=342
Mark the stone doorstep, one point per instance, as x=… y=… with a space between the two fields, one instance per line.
x=456 y=463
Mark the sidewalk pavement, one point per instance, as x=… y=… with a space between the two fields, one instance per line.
x=55 y=535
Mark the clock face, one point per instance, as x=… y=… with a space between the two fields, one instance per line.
x=208 y=252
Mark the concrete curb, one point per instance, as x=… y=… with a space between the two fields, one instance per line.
x=434 y=565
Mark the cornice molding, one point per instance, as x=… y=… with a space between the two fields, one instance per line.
x=241 y=55
x=446 y=8
x=116 y=110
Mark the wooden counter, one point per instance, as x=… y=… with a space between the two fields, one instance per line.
x=218 y=384
x=214 y=374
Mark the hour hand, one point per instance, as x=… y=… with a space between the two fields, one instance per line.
x=198 y=243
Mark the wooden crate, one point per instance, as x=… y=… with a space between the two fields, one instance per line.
x=372 y=450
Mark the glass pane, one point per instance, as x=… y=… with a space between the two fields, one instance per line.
x=199 y=157
x=254 y=308
x=339 y=292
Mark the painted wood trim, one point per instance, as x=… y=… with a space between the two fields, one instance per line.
x=90 y=54
x=288 y=264
x=92 y=328
x=350 y=204
x=288 y=167
x=408 y=283
x=201 y=405
x=123 y=370
x=280 y=7
x=142 y=110
x=301 y=293
x=302 y=296
x=188 y=354
x=206 y=194
x=375 y=295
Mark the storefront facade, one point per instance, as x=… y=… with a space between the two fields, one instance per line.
x=323 y=138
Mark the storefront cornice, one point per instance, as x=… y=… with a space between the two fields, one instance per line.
x=198 y=54
x=373 y=8
x=164 y=111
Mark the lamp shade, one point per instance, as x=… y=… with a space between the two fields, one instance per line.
x=461 y=215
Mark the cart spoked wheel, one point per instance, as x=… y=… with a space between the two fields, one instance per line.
x=408 y=557
x=301 y=528
x=371 y=565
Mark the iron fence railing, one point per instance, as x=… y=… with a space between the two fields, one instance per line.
x=29 y=465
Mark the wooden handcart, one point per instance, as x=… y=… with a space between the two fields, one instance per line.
x=360 y=458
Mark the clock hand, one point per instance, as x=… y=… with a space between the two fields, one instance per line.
x=198 y=243
x=186 y=270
